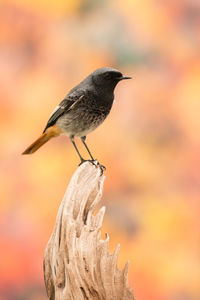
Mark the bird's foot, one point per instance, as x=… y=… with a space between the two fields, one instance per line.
x=101 y=167
x=95 y=163
x=92 y=161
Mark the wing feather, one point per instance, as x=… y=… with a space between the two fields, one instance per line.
x=65 y=105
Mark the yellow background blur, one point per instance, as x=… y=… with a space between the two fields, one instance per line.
x=150 y=143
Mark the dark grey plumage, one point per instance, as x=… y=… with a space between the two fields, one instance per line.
x=87 y=105
x=83 y=109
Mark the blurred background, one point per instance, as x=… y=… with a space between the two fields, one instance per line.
x=150 y=143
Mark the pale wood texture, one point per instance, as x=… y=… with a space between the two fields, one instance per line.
x=77 y=263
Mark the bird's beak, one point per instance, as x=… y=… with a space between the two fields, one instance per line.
x=124 y=77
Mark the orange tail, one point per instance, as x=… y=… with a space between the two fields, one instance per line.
x=47 y=135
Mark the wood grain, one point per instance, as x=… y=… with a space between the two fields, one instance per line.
x=77 y=263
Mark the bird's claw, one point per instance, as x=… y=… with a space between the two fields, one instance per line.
x=95 y=163
x=102 y=167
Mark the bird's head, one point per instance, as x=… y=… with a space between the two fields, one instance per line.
x=107 y=78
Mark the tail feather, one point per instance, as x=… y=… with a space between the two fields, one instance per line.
x=51 y=132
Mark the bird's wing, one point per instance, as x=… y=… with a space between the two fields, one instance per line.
x=66 y=105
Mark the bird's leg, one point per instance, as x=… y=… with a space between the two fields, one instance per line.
x=102 y=168
x=81 y=158
x=83 y=138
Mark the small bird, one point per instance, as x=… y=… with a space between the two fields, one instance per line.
x=82 y=110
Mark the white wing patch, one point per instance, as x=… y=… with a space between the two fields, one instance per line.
x=75 y=102
x=57 y=107
x=63 y=106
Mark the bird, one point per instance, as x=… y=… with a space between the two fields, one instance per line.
x=82 y=110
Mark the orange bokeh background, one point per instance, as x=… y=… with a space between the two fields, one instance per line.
x=150 y=143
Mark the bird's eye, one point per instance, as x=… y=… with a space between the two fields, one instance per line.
x=107 y=75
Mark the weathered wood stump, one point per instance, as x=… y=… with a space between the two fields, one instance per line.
x=77 y=264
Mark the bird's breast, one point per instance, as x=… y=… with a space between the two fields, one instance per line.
x=83 y=118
